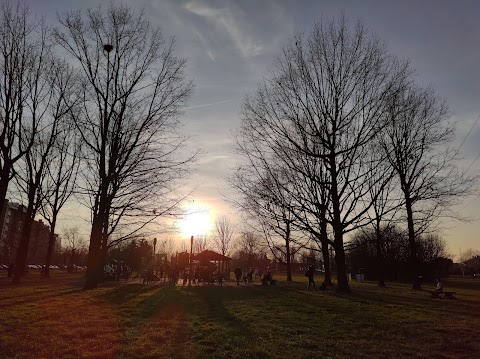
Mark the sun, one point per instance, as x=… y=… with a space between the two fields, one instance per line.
x=197 y=221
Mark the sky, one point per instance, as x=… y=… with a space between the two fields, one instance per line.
x=230 y=46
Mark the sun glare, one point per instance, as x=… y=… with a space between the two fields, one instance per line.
x=197 y=221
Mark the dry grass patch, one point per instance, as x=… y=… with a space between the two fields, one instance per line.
x=56 y=319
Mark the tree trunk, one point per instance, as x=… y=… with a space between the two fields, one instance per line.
x=51 y=246
x=287 y=250
x=94 y=254
x=3 y=194
x=103 y=256
x=342 y=285
x=22 y=252
x=380 y=259
x=412 y=244
x=325 y=254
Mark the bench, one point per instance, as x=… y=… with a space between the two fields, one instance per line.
x=449 y=295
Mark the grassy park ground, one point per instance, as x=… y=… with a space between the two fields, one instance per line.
x=55 y=318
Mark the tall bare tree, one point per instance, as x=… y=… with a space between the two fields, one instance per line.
x=134 y=90
x=63 y=165
x=386 y=201
x=416 y=143
x=49 y=113
x=324 y=99
x=22 y=46
x=72 y=244
x=310 y=189
x=267 y=207
x=248 y=248
x=223 y=234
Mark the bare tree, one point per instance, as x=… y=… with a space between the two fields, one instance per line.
x=22 y=46
x=223 y=235
x=468 y=254
x=386 y=202
x=312 y=203
x=267 y=206
x=200 y=243
x=325 y=100
x=431 y=247
x=416 y=143
x=134 y=90
x=49 y=111
x=465 y=257
x=63 y=166
x=166 y=246
x=184 y=247
x=248 y=248
x=72 y=244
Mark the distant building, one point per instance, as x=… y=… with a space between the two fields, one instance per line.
x=38 y=246
x=11 y=225
x=10 y=231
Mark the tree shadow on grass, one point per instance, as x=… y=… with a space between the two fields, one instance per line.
x=219 y=330
x=123 y=294
x=153 y=321
x=36 y=296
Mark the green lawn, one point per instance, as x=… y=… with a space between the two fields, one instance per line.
x=55 y=318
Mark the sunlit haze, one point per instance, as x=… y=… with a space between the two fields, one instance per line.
x=196 y=221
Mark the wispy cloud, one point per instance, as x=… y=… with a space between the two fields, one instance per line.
x=211 y=55
x=206 y=104
x=228 y=21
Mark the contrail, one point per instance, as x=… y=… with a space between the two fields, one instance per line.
x=207 y=104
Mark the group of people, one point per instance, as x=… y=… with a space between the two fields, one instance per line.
x=116 y=272
x=200 y=274
x=245 y=275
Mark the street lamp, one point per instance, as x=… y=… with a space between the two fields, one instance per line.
x=190 y=261
x=154 y=255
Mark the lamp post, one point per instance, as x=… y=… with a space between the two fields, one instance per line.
x=190 y=262
x=154 y=255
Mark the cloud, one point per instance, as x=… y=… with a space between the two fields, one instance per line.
x=228 y=21
x=214 y=159
x=211 y=55
x=206 y=104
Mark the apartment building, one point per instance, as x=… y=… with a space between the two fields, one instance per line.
x=11 y=224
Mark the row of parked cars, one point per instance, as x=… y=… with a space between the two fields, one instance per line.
x=39 y=266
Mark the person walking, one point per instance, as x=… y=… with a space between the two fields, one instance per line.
x=245 y=275
x=238 y=275
x=309 y=275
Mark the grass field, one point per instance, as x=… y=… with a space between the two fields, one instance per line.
x=55 y=318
